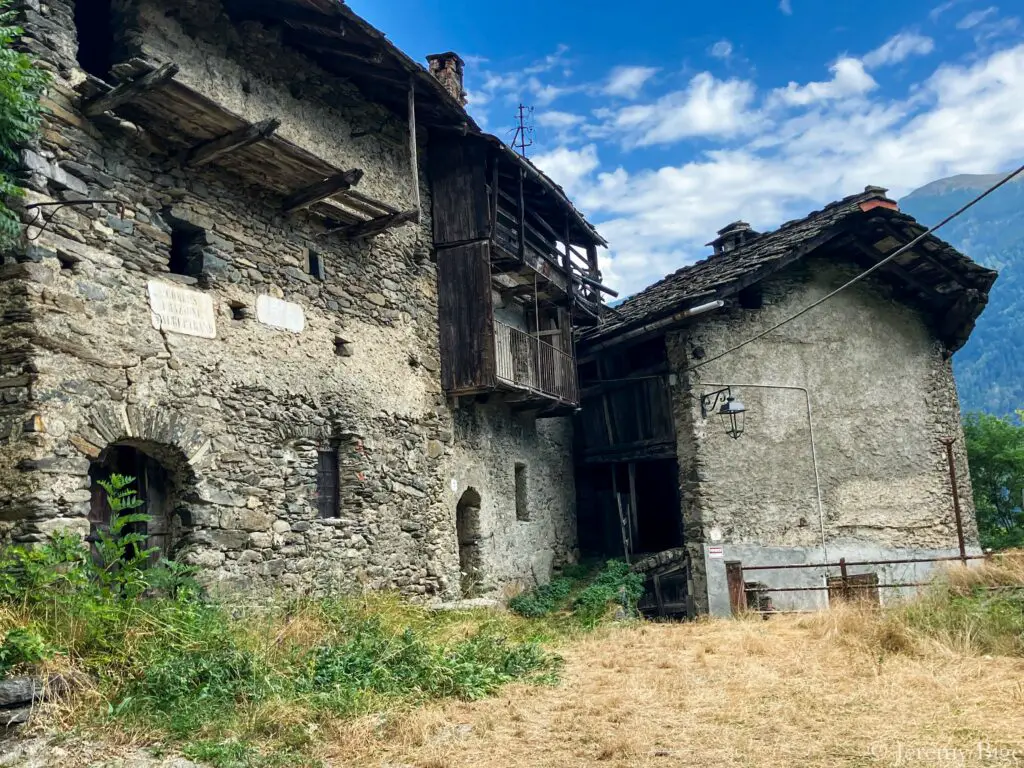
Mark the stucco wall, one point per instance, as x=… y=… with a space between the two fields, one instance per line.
x=239 y=418
x=881 y=392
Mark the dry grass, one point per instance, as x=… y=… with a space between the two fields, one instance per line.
x=845 y=687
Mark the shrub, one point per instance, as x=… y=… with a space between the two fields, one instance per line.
x=544 y=600
x=586 y=593
x=21 y=84
x=21 y=646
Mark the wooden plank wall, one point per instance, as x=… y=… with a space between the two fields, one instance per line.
x=465 y=318
x=458 y=171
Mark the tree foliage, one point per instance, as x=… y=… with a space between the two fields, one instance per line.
x=995 y=449
x=21 y=84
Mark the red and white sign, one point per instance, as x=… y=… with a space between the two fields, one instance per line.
x=716 y=552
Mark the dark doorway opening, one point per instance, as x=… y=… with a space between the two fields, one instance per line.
x=94 y=25
x=154 y=486
x=467 y=525
x=629 y=505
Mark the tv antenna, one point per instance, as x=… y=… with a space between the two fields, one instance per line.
x=524 y=130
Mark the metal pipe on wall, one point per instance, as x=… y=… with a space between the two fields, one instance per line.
x=814 y=452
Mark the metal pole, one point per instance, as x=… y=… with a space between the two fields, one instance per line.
x=843 y=575
x=948 y=442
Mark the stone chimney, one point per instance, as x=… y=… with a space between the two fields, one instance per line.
x=448 y=68
x=732 y=237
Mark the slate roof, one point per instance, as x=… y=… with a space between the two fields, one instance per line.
x=934 y=267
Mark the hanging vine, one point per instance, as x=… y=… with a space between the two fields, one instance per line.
x=21 y=84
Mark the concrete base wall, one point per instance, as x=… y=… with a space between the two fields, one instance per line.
x=753 y=555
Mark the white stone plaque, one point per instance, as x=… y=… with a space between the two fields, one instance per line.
x=181 y=310
x=280 y=314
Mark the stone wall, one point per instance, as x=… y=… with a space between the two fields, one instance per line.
x=881 y=393
x=238 y=419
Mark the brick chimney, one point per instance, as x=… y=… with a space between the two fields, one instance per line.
x=448 y=68
x=732 y=237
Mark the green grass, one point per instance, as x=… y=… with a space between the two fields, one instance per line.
x=257 y=685
x=584 y=594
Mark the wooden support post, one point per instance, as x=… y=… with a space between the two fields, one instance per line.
x=209 y=151
x=413 y=149
x=634 y=523
x=657 y=594
x=626 y=547
x=376 y=226
x=522 y=218
x=595 y=274
x=130 y=91
x=567 y=268
x=322 y=189
x=495 y=180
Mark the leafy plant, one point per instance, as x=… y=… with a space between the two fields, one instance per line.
x=21 y=84
x=587 y=594
x=120 y=546
x=21 y=646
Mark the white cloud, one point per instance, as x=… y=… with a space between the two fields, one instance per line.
x=975 y=18
x=627 y=81
x=940 y=9
x=556 y=119
x=966 y=118
x=786 y=6
x=721 y=50
x=899 y=48
x=849 y=78
x=707 y=107
x=549 y=62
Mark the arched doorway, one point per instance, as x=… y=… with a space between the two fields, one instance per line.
x=154 y=484
x=467 y=526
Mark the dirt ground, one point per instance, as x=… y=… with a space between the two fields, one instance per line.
x=790 y=692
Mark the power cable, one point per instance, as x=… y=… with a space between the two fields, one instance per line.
x=865 y=273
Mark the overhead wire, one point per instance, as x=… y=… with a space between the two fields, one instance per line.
x=874 y=268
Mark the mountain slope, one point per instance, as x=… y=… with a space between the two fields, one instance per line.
x=990 y=367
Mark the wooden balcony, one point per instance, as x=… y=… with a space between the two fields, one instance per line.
x=532 y=365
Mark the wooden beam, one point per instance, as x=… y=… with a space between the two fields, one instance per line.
x=414 y=160
x=376 y=226
x=322 y=189
x=209 y=151
x=130 y=91
x=871 y=256
x=359 y=53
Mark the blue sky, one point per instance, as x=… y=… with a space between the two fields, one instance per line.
x=669 y=122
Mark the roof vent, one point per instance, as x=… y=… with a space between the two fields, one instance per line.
x=448 y=68
x=733 y=236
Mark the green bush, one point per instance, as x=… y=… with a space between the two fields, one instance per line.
x=585 y=593
x=21 y=646
x=21 y=84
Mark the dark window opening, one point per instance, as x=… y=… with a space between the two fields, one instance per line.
x=94 y=25
x=522 y=493
x=239 y=311
x=751 y=298
x=328 y=500
x=187 y=242
x=315 y=265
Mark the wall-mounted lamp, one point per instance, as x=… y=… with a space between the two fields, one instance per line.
x=731 y=411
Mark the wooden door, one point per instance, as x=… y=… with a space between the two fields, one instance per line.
x=737 y=591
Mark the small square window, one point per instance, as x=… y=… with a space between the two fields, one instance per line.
x=328 y=501
x=522 y=493
x=315 y=265
x=187 y=243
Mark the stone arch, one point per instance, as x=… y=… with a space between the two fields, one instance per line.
x=468 y=528
x=162 y=449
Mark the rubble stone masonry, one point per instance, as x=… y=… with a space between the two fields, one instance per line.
x=239 y=421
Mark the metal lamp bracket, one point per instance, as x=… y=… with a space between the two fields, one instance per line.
x=709 y=402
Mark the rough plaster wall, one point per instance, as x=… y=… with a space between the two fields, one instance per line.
x=239 y=419
x=881 y=396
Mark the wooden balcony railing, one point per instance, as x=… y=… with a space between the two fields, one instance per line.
x=526 y=362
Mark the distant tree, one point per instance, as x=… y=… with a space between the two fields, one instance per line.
x=995 y=450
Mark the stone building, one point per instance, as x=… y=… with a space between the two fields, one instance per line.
x=845 y=409
x=295 y=291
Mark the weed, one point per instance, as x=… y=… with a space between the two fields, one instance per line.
x=586 y=593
